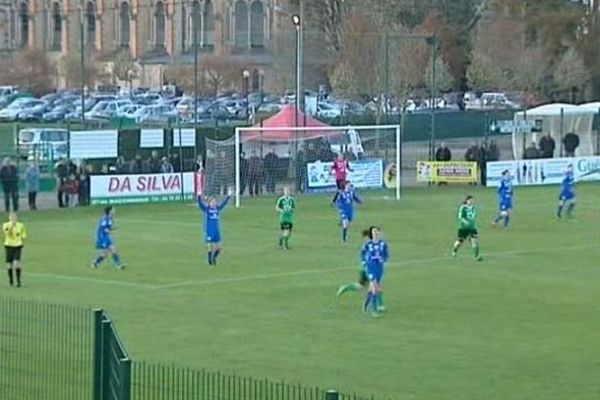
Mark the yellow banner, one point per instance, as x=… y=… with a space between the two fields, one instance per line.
x=446 y=171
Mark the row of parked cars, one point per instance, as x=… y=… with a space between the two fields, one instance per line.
x=145 y=106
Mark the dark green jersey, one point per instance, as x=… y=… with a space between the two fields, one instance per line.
x=286 y=207
x=466 y=217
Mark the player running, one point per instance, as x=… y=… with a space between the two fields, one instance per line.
x=212 y=231
x=340 y=169
x=375 y=254
x=362 y=282
x=104 y=241
x=286 y=206
x=567 y=193
x=467 y=229
x=505 y=199
x=344 y=200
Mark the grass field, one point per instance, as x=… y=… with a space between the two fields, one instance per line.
x=522 y=324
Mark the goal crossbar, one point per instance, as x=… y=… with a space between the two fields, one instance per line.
x=240 y=130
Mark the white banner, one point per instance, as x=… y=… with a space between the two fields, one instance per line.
x=152 y=138
x=187 y=139
x=364 y=174
x=94 y=144
x=547 y=171
x=147 y=188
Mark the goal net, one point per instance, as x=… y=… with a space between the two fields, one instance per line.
x=261 y=161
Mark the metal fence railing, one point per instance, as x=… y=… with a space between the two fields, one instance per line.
x=59 y=352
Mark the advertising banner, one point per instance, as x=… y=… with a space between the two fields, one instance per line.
x=364 y=174
x=446 y=171
x=546 y=171
x=146 y=188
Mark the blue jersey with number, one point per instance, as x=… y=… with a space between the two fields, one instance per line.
x=103 y=232
x=505 y=194
x=567 y=187
x=212 y=215
x=375 y=255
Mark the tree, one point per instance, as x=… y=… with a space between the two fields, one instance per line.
x=444 y=81
x=71 y=68
x=570 y=72
x=219 y=73
x=484 y=72
x=32 y=71
x=124 y=67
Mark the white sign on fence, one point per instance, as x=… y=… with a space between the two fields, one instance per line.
x=547 y=171
x=364 y=174
x=146 y=188
x=152 y=138
x=94 y=144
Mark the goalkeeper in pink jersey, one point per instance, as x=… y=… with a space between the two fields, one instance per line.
x=340 y=168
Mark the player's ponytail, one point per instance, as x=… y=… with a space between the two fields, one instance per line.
x=368 y=233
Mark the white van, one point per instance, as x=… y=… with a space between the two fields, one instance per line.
x=43 y=143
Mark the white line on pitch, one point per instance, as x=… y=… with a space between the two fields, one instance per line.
x=504 y=254
x=92 y=280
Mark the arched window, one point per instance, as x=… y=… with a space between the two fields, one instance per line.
x=23 y=25
x=90 y=23
x=4 y=26
x=241 y=25
x=56 y=27
x=124 y=21
x=209 y=24
x=159 y=25
x=196 y=24
x=257 y=24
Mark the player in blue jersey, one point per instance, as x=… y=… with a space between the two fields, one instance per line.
x=104 y=241
x=375 y=254
x=567 y=193
x=344 y=201
x=362 y=282
x=212 y=233
x=505 y=199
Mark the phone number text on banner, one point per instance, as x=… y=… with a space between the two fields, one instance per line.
x=446 y=171
x=547 y=171
x=148 y=188
x=364 y=174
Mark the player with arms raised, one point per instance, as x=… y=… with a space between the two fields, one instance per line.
x=567 y=193
x=212 y=231
x=286 y=206
x=505 y=197
x=344 y=200
x=340 y=169
x=467 y=229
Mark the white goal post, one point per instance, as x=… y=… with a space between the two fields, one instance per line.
x=265 y=156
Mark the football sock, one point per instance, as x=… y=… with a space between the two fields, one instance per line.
x=498 y=218
x=344 y=234
x=10 y=276
x=375 y=302
x=286 y=241
x=351 y=287
x=476 y=251
x=559 y=212
x=210 y=258
x=456 y=246
x=570 y=209
x=18 y=276
x=381 y=299
x=280 y=241
x=216 y=254
x=367 y=301
x=98 y=260
x=506 y=220
x=116 y=259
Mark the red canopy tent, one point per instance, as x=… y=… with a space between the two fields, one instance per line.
x=286 y=118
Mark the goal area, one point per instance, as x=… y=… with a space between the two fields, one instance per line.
x=260 y=161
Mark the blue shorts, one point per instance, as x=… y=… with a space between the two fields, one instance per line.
x=346 y=214
x=104 y=243
x=213 y=236
x=506 y=205
x=375 y=272
x=566 y=196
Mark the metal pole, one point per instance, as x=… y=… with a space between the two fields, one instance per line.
x=195 y=72
x=301 y=55
x=297 y=72
x=433 y=90
x=82 y=60
x=387 y=70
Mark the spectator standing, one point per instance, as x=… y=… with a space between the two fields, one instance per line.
x=154 y=163
x=547 y=146
x=32 y=180
x=269 y=165
x=84 y=184
x=121 y=167
x=136 y=166
x=483 y=158
x=62 y=173
x=72 y=190
x=571 y=142
x=473 y=154
x=166 y=167
x=531 y=152
x=443 y=153
x=255 y=174
x=493 y=152
x=10 y=184
x=176 y=163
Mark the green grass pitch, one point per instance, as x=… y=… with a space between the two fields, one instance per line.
x=522 y=324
